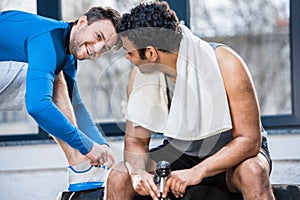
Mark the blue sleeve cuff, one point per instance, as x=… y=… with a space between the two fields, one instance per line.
x=82 y=143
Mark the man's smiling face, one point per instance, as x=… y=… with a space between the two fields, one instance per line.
x=91 y=40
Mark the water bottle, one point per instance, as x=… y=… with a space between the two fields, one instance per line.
x=163 y=170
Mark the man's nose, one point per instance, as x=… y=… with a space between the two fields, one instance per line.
x=98 y=46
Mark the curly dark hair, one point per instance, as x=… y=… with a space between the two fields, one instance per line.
x=151 y=24
x=99 y=13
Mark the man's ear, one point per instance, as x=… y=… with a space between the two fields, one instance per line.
x=82 y=21
x=151 y=53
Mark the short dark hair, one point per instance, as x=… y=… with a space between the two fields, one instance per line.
x=151 y=24
x=100 y=13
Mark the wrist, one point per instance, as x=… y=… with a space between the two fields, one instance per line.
x=86 y=147
x=134 y=170
x=200 y=171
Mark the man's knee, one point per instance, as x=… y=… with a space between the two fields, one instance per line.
x=118 y=176
x=118 y=184
x=255 y=169
x=251 y=178
x=253 y=172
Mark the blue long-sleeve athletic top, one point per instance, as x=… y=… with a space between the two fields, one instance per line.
x=43 y=44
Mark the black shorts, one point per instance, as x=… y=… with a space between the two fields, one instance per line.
x=179 y=160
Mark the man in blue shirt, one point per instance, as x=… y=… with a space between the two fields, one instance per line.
x=38 y=55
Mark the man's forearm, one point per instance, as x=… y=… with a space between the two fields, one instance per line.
x=136 y=152
x=135 y=159
x=229 y=156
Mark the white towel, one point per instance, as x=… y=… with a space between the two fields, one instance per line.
x=147 y=104
x=199 y=106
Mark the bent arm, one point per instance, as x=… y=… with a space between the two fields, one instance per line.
x=136 y=140
x=245 y=116
x=39 y=88
x=136 y=154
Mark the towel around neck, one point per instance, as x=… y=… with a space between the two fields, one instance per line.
x=199 y=107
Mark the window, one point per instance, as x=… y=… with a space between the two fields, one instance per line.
x=260 y=36
x=14 y=124
x=28 y=5
x=292 y=120
x=263 y=38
